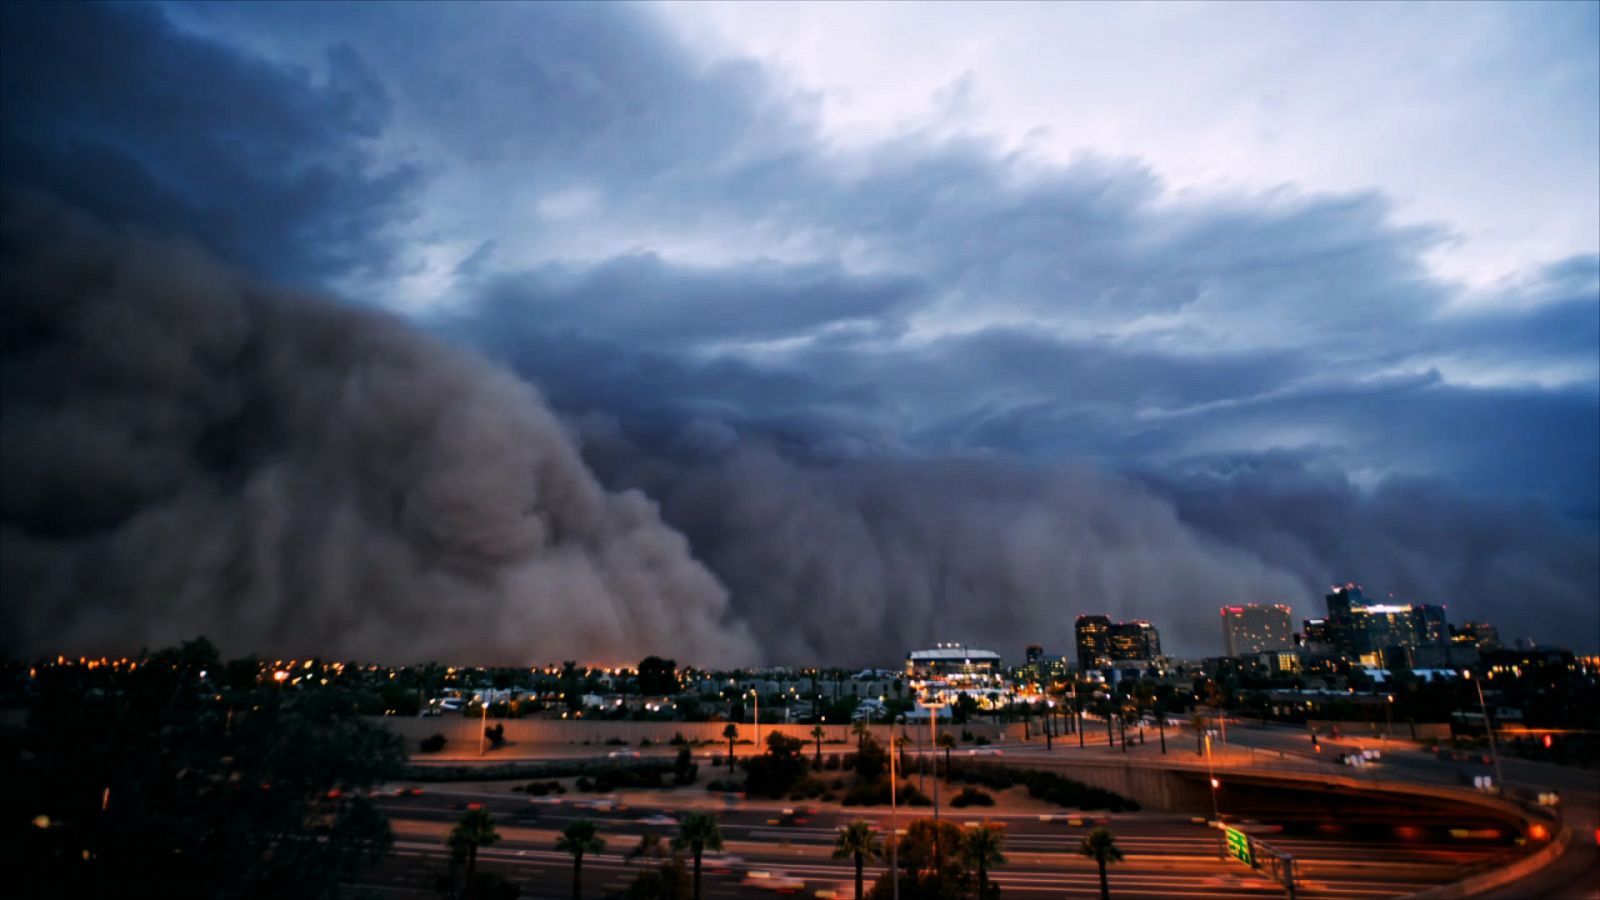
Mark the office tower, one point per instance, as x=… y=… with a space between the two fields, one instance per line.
x=1254 y=628
x=1093 y=638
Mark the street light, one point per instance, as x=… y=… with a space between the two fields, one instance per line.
x=894 y=822
x=757 y=694
x=483 y=731
x=1388 y=720
x=1488 y=726
x=1215 y=814
x=933 y=727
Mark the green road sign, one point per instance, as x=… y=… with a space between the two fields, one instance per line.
x=1239 y=846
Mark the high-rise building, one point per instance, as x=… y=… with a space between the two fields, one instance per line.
x=1339 y=624
x=1427 y=620
x=1136 y=640
x=1102 y=642
x=1316 y=634
x=1093 y=638
x=1358 y=628
x=1486 y=636
x=1034 y=653
x=1254 y=628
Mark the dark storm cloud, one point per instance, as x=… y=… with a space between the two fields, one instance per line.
x=114 y=110
x=641 y=298
x=185 y=452
x=847 y=562
x=1000 y=553
x=1510 y=562
x=919 y=380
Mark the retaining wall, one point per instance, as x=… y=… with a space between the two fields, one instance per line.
x=464 y=731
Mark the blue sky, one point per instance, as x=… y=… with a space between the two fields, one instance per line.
x=1262 y=251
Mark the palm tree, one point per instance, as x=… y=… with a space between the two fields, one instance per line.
x=902 y=742
x=819 y=733
x=699 y=832
x=858 y=840
x=650 y=847
x=948 y=742
x=981 y=847
x=579 y=837
x=861 y=730
x=476 y=829
x=732 y=734
x=1101 y=847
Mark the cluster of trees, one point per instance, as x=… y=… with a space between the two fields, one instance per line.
x=938 y=860
x=191 y=778
x=933 y=860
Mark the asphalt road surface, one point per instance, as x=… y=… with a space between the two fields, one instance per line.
x=1168 y=856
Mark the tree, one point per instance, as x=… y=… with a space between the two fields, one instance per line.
x=966 y=708
x=684 y=768
x=698 y=832
x=1198 y=723
x=658 y=676
x=1101 y=847
x=731 y=732
x=650 y=847
x=476 y=829
x=776 y=771
x=857 y=840
x=817 y=734
x=259 y=790
x=667 y=881
x=580 y=837
x=871 y=761
x=981 y=847
x=948 y=742
x=862 y=731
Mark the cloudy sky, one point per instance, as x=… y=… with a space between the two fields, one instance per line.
x=896 y=310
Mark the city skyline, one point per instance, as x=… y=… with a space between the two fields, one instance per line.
x=599 y=330
x=660 y=450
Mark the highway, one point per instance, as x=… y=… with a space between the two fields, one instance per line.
x=1168 y=856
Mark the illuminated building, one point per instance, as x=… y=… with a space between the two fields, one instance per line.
x=947 y=671
x=1102 y=642
x=1136 y=640
x=1254 y=628
x=1486 y=636
x=1093 y=637
x=952 y=662
x=1365 y=630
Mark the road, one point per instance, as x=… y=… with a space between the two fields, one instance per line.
x=1168 y=856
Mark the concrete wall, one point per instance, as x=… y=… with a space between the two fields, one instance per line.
x=1154 y=787
x=462 y=730
x=1425 y=730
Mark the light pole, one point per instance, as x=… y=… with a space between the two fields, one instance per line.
x=756 y=693
x=1499 y=782
x=1388 y=720
x=1215 y=814
x=894 y=822
x=483 y=731
x=1049 y=723
x=933 y=728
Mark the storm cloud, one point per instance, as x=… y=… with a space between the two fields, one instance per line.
x=187 y=452
x=929 y=386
